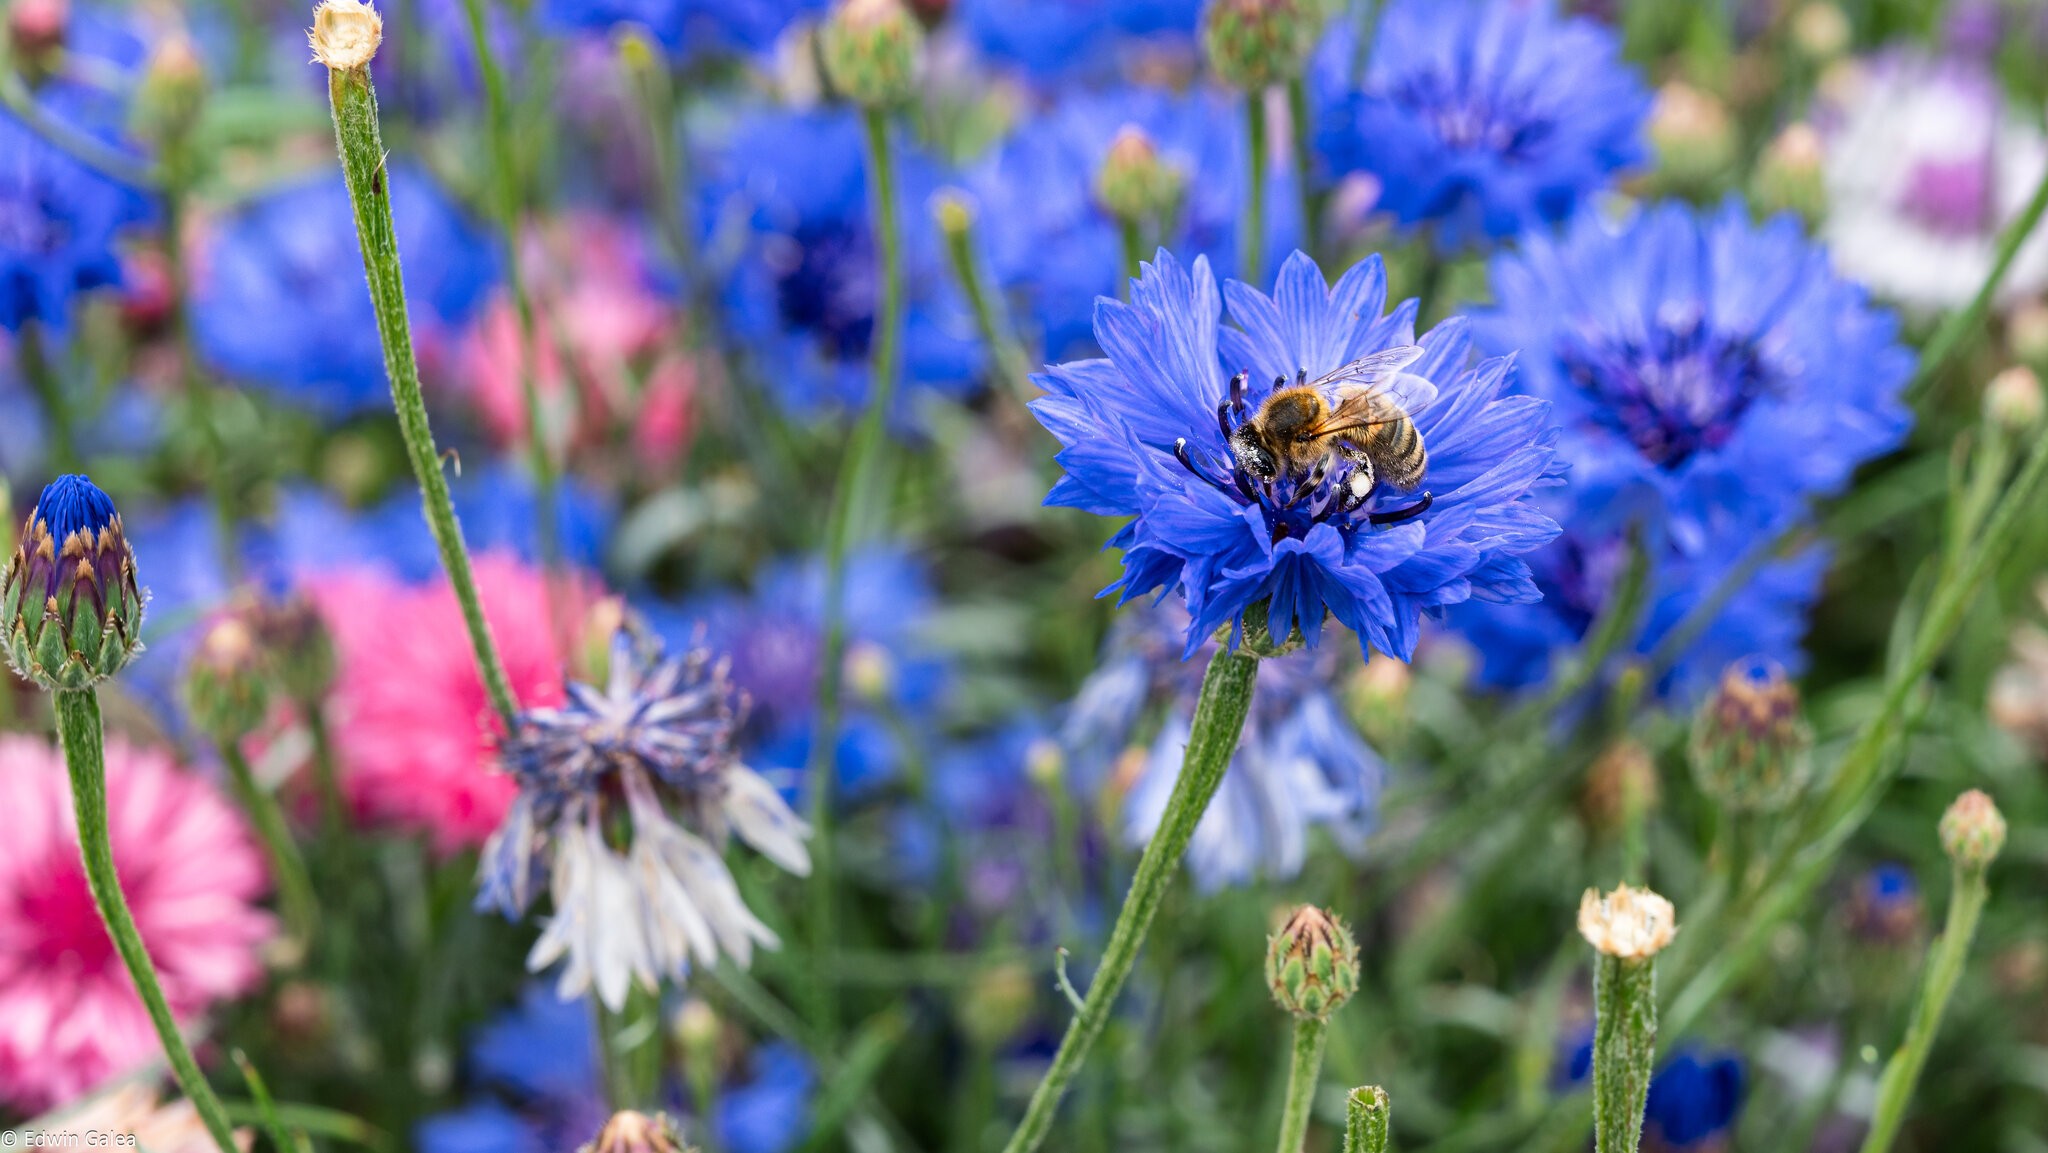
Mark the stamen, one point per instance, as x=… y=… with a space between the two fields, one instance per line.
x=1401 y=514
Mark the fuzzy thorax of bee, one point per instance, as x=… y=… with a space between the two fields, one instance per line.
x=1306 y=458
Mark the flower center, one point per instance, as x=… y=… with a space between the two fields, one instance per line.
x=1951 y=197
x=824 y=284
x=68 y=935
x=1673 y=392
x=1467 y=120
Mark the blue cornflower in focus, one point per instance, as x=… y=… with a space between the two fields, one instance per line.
x=58 y=223
x=1484 y=118
x=1712 y=375
x=788 y=203
x=282 y=302
x=1065 y=40
x=684 y=27
x=1147 y=434
x=1300 y=765
x=1050 y=241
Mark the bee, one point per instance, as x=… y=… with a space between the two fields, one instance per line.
x=1362 y=412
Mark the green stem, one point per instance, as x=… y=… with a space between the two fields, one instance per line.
x=78 y=730
x=508 y=186
x=1367 y=1116
x=996 y=333
x=1624 y=1047
x=294 y=890
x=41 y=375
x=851 y=493
x=1219 y=719
x=631 y=1043
x=354 y=104
x=1133 y=240
x=1253 y=238
x=106 y=159
x=326 y=777
x=1944 y=969
x=178 y=178
x=1303 y=1072
x=1298 y=125
x=1958 y=325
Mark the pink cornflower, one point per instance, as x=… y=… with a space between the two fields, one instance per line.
x=609 y=356
x=69 y=1015
x=411 y=723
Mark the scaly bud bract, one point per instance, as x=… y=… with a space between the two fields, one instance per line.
x=70 y=606
x=1752 y=750
x=1253 y=44
x=1134 y=183
x=227 y=683
x=345 y=34
x=1973 y=830
x=1312 y=964
x=870 y=49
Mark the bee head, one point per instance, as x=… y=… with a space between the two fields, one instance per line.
x=1294 y=414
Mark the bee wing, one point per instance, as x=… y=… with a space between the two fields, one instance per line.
x=1381 y=373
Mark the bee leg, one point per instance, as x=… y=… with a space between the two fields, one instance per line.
x=1359 y=485
x=1400 y=514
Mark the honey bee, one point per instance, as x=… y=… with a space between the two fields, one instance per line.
x=1362 y=412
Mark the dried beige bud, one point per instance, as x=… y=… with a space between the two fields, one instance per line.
x=345 y=34
x=1629 y=923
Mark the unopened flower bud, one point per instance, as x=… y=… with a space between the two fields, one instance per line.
x=996 y=1004
x=1254 y=44
x=1312 y=964
x=2026 y=332
x=297 y=646
x=631 y=1132
x=1692 y=134
x=35 y=35
x=1973 y=830
x=870 y=49
x=637 y=51
x=1788 y=176
x=1884 y=907
x=1632 y=924
x=1621 y=784
x=1751 y=748
x=1135 y=184
x=345 y=34
x=953 y=208
x=70 y=607
x=696 y=1027
x=173 y=90
x=1821 y=30
x=1045 y=763
x=2013 y=399
x=870 y=672
x=303 y=1013
x=227 y=686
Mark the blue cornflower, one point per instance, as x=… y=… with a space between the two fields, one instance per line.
x=1300 y=765
x=1147 y=434
x=800 y=290
x=282 y=303
x=1053 y=246
x=684 y=27
x=58 y=223
x=1712 y=375
x=1481 y=117
x=653 y=749
x=769 y=1112
x=1694 y=1098
x=1065 y=40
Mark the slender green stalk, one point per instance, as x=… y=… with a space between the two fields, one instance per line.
x=510 y=207
x=294 y=890
x=1133 y=240
x=78 y=730
x=1303 y=1073
x=266 y=1107
x=1959 y=325
x=1298 y=126
x=34 y=361
x=1219 y=719
x=996 y=333
x=630 y=1040
x=1253 y=232
x=326 y=776
x=354 y=103
x=88 y=150
x=856 y=477
x=1624 y=1047
x=1944 y=968
x=1367 y=1117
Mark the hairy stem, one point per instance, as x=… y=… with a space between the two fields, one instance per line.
x=78 y=730
x=1219 y=719
x=354 y=104
x=1624 y=1048
x=1303 y=1071
x=1367 y=1116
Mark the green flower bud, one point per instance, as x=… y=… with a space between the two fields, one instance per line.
x=1134 y=184
x=1621 y=783
x=35 y=36
x=1254 y=44
x=1692 y=134
x=1788 y=177
x=1751 y=748
x=2012 y=400
x=1973 y=830
x=297 y=647
x=70 y=607
x=1312 y=964
x=1821 y=30
x=870 y=50
x=996 y=1004
x=227 y=684
x=173 y=91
